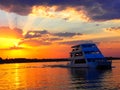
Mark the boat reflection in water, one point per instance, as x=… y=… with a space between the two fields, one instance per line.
x=92 y=79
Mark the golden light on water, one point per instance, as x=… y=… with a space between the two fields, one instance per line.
x=16 y=75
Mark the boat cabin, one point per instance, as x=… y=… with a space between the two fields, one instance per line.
x=87 y=55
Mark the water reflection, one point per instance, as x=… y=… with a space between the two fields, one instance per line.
x=92 y=79
x=33 y=76
x=53 y=76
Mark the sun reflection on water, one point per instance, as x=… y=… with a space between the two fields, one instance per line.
x=47 y=76
x=16 y=75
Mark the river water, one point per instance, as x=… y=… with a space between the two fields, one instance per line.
x=52 y=76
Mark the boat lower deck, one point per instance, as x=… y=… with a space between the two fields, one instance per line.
x=79 y=65
x=105 y=65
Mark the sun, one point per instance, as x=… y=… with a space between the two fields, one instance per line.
x=8 y=42
x=16 y=44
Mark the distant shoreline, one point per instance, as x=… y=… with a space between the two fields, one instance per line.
x=24 y=60
x=112 y=58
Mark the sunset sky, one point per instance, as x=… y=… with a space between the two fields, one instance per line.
x=48 y=28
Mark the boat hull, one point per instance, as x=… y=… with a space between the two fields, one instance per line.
x=97 y=65
x=106 y=65
x=78 y=65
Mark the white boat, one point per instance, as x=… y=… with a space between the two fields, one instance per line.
x=88 y=55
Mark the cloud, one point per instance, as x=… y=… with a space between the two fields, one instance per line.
x=75 y=42
x=55 y=39
x=34 y=34
x=67 y=34
x=19 y=7
x=12 y=48
x=34 y=42
x=95 y=9
x=43 y=37
x=114 y=29
x=6 y=32
x=37 y=38
x=67 y=14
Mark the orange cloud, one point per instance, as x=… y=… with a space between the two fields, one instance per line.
x=113 y=29
x=30 y=43
x=43 y=44
x=10 y=38
x=6 y=32
x=70 y=13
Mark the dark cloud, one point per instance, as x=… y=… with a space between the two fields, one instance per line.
x=13 y=48
x=13 y=6
x=95 y=9
x=67 y=34
x=34 y=34
x=55 y=39
x=34 y=42
x=22 y=7
x=36 y=38
x=116 y=29
x=75 y=42
x=104 y=10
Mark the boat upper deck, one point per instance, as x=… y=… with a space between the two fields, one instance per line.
x=84 y=45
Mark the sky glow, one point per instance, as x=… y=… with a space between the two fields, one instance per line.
x=47 y=29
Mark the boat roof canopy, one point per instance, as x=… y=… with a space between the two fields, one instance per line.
x=82 y=44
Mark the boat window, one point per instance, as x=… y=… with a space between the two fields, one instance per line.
x=88 y=45
x=95 y=59
x=91 y=60
x=75 y=49
x=79 y=61
x=92 y=52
